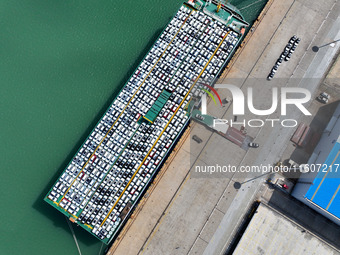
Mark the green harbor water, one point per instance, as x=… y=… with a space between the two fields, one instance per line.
x=62 y=62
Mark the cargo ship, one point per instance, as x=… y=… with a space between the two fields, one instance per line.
x=104 y=181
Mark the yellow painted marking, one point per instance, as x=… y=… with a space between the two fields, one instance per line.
x=330 y=202
x=73 y=215
x=316 y=191
x=126 y=106
x=133 y=176
x=88 y=226
x=147 y=119
x=62 y=207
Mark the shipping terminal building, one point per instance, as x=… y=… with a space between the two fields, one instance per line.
x=320 y=187
x=105 y=179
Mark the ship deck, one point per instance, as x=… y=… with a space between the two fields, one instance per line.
x=102 y=184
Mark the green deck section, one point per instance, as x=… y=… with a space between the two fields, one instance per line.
x=250 y=9
x=153 y=112
x=205 y=119
x=235 y=21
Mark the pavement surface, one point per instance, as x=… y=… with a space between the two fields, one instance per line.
x=194 y=211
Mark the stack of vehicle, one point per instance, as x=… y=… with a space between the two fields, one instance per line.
x=285 y=55
x=124 y=151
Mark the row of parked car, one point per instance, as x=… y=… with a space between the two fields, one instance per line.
x=285 y=55
x=113 y=193
x=221 y=57
x=122 y=153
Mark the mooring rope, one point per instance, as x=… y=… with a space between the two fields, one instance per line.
x=250 y=4
x=74 y=235
x=101 y=247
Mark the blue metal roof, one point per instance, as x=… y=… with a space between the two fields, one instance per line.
x=325 y=191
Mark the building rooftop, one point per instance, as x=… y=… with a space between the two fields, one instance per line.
x=270 y=232
x=320 y=187
x=324 y=192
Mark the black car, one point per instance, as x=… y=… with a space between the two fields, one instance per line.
x=253 y=145
x=323 y=98
x=293 y=48
x=270 y=76
x=289 y=55
x=197 y=139
x=288 y=46
x=294 y=37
